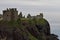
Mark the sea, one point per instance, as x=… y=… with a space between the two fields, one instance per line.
x=55 y=29
x=54 y=21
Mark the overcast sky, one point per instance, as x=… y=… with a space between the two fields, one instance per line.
x=50 y=8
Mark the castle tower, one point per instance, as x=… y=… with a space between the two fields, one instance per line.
x=10 y=14
x=41 y=15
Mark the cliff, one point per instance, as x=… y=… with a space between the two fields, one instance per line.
x=26 y=29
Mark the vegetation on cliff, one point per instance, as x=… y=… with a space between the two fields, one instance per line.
x=26 y=29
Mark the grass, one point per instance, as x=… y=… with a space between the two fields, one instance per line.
x=32 y=37
x=18 y=24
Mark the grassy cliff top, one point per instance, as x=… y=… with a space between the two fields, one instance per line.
x=40 y=21
x=26 y=29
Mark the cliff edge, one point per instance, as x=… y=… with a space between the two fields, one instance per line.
x=26 y=29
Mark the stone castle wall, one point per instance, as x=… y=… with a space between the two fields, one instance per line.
x=10 y=14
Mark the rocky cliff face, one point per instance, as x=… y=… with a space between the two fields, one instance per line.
x=26 y=30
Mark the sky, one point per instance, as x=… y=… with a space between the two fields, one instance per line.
x=50 y=9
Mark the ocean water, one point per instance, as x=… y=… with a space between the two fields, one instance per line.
x=54 y=21
x=55 y=29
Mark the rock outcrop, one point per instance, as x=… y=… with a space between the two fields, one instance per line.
x=26 y=30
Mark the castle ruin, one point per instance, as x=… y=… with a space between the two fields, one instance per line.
x=37 y=16
x=10 y=14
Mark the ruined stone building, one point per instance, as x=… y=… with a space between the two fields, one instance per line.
x=37 y=16
x=40 y=16
x=21 y=15
x=10 y=14
x=1 y=17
